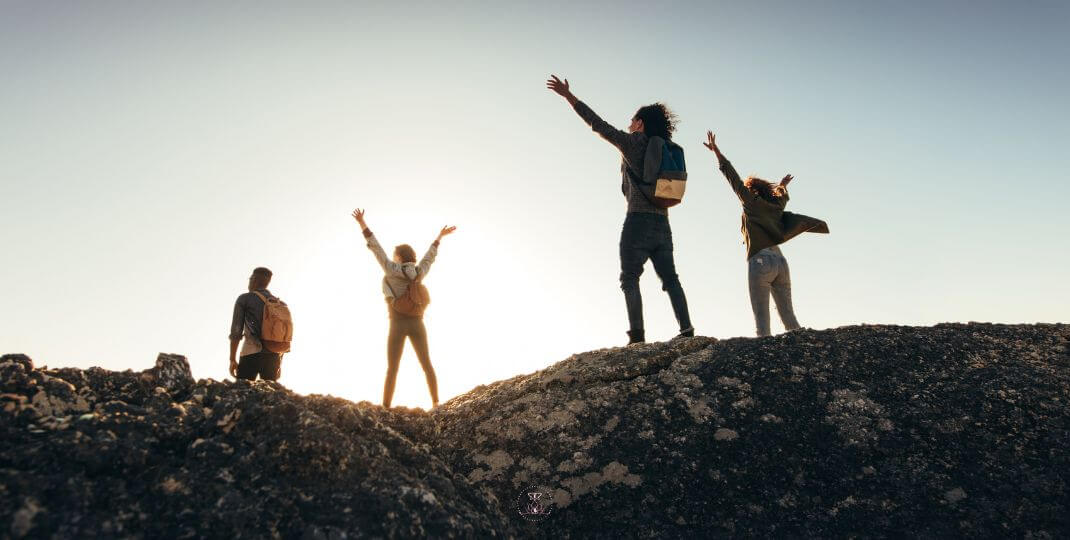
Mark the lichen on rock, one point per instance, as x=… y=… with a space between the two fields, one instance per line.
x=868 y=431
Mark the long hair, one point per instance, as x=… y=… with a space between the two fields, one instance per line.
x=658 y=120
x=764 y=188
x=405 y=252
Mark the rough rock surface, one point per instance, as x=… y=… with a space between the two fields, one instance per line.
x=154 y=454
x=865 y=431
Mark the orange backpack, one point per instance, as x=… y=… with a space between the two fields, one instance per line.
x=414 y=301
x=277 y=328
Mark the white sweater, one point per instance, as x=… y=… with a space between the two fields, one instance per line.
x=396 y=280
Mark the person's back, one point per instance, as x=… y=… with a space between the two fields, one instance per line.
x=646 y=234
x=399 y=274
x=765 y=225
x=245 y=327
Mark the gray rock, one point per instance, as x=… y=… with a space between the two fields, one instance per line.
x=172 y=373
x=870 y=431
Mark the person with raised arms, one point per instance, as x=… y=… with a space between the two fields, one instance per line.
x=406 y=299
x=765 y=225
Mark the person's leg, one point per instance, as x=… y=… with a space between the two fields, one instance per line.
x=665 y=267
x=782 y=296
x=418 y=337
x=759 y=277
x=633 y=256
x=248 y=367
x=394 y=343
x=270 y=366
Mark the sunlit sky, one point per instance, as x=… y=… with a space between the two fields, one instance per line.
x=152 y=154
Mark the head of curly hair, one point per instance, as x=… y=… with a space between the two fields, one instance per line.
x=764 y=188
x=658 y=120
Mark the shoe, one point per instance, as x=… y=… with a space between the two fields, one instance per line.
x=636 y=336
x=689 y=332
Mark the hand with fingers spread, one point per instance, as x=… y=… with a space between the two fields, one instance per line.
x=787 y=178
x=358 y=215
x=711 y=143
x=561 y=88
x=446 y=231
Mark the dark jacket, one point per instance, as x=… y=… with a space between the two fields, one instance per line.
x=633 y=147
x=248 y=310
x=767 y=223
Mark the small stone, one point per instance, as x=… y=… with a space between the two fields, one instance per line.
x=955 y=495
x=725 y=434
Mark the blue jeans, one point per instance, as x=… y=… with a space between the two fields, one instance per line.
x=648 y=236
x=767 y=272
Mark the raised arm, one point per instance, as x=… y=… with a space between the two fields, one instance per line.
x=389 y=266
x=784 y=186
x=626 y=142
x=728 y=170
x=424 y=266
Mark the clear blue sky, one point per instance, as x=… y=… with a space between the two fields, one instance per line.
x=152 y=154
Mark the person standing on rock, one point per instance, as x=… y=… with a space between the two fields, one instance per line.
x=248 y=317
x=765 y=225
x=646 y=233
x=402 y=273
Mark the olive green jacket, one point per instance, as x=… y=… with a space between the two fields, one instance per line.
x=766 y=223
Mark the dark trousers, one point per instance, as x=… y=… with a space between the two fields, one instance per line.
x=648 y=236
x=267 y=365
x=402 y=327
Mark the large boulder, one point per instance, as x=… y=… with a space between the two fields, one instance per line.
x=156 y=455
x=866 y=431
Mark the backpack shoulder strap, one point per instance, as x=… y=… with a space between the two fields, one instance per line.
x=262 y=297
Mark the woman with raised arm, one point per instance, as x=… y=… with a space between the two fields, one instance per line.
x=766 y=224
x=401 y=272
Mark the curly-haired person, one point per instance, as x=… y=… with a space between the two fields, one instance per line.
x=646 y=233
x=765 y=225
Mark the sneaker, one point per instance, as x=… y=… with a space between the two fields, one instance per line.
x=636 y=336
x=689 y=332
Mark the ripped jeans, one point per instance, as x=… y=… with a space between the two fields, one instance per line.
x=768 y=273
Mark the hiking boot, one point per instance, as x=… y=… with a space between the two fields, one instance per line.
x=636 y=336
x=689 y=332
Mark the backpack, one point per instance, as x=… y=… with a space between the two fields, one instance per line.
x=277 y=327
x=414 y=301
x=665 y=187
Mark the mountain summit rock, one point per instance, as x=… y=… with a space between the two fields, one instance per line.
x=866 y=431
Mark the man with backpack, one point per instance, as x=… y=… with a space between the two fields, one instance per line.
x=406 y=299
x=652 y=176
x=264 y=322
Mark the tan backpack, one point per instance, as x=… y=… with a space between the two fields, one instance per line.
x=277 y=328
x=414 y=301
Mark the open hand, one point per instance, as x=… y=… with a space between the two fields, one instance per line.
x=787 y=178
x=447 y=230
x=560 y=87
x=358 y=215
x=711 y=142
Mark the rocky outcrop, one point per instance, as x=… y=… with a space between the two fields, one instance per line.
x=867 y=431
x=156 y=455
